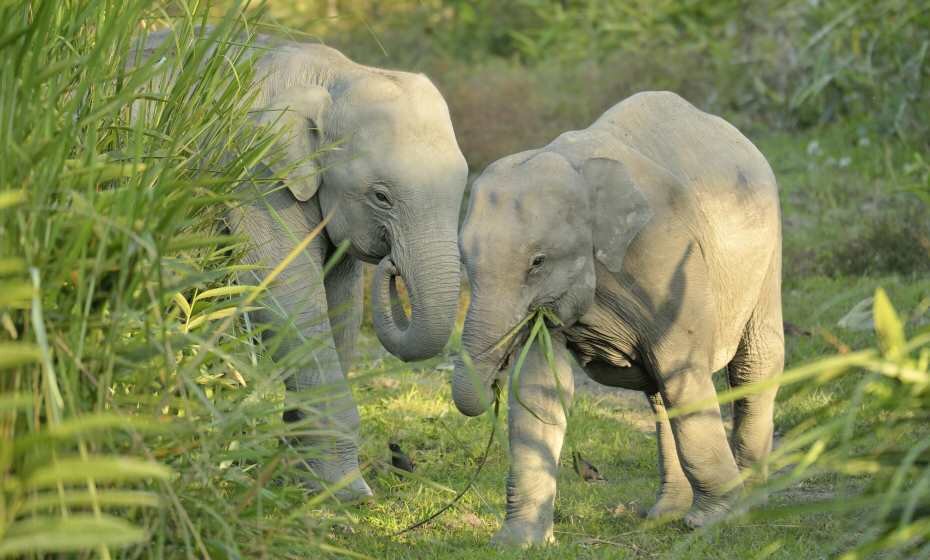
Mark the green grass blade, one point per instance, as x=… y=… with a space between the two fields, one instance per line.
x=14 y=354
x=104 y=498
x=101 y=469
x=68 y=534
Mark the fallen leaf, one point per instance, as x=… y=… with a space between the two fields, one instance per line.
x=385 y=383
x=472 y=520
x=859 y=318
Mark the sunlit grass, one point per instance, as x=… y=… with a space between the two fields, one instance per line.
x=614 y=430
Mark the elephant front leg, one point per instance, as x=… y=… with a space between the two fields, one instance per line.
x=298 y=333
x=537 y=405
x=345 y=296
x=675 y=494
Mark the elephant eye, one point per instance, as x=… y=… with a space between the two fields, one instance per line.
x=382 y=199
x=538 y=261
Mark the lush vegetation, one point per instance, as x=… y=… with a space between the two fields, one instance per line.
x=140 y=418
x=136 y=413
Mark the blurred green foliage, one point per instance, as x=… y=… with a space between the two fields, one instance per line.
x=851 y=76
x=791 y=62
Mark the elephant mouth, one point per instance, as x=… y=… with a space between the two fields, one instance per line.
x=504 y=364
x=512 y=349
x=364 y=256
x=519 y=338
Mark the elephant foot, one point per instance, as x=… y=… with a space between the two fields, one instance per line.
x=709 y=511
x=754 y=490
x=345 y=483
x=760 y=498
x=355 y=492
x=523 y=535
x=671 y=504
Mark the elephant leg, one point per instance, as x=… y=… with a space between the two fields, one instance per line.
x=675 y=495
x=700 y=437
x=759 y=357
x=535 y=445
x=300 y=339
x=345 y=297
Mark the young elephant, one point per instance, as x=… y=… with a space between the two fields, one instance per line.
x=373 y=150
x=654 y=236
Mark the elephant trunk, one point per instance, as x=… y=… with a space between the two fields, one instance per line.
x=481 y=337
x=431 y=273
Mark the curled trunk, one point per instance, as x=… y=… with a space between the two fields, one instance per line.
x=432 y=277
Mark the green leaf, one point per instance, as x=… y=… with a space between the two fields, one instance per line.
x=15 y=294
x=888 y=326
x=186 y=242
x=336 y=256
x=182 y=303
x=76 y=469
x=14 y=354
x=107 y=171
x=221 y=314
x=11 y=198
x=15 y=401
x=549 y=352
x=518 y=367
x=106 y=498
x=223 y=291
x=68 y=534
x=12 y=266
x=87 y=424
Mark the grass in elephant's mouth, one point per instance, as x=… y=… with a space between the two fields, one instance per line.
x=520 y=335
x=541 y=320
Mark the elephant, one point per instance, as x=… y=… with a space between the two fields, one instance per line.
x=373 y=152
x=652 y=240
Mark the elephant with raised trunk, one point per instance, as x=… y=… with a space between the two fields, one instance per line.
x=373 y=151
x=654 y=237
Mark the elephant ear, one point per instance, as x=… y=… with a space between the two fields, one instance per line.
x=619 y=210
x=296 y=116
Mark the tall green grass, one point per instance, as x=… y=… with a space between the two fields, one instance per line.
x=137 y=416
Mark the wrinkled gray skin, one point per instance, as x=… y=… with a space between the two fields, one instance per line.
x=655 y=237
x=393 y=186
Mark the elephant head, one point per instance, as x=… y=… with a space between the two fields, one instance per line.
x=377 y=149
x=536 y=223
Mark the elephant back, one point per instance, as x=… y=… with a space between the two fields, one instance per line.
x=703 y=151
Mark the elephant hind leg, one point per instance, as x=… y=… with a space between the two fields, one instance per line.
x=675 y=495
x=700 y=438
x=703 y=450
x=760 y=356
x=682 y=365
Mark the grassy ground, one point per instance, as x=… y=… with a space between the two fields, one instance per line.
x=613 y=428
